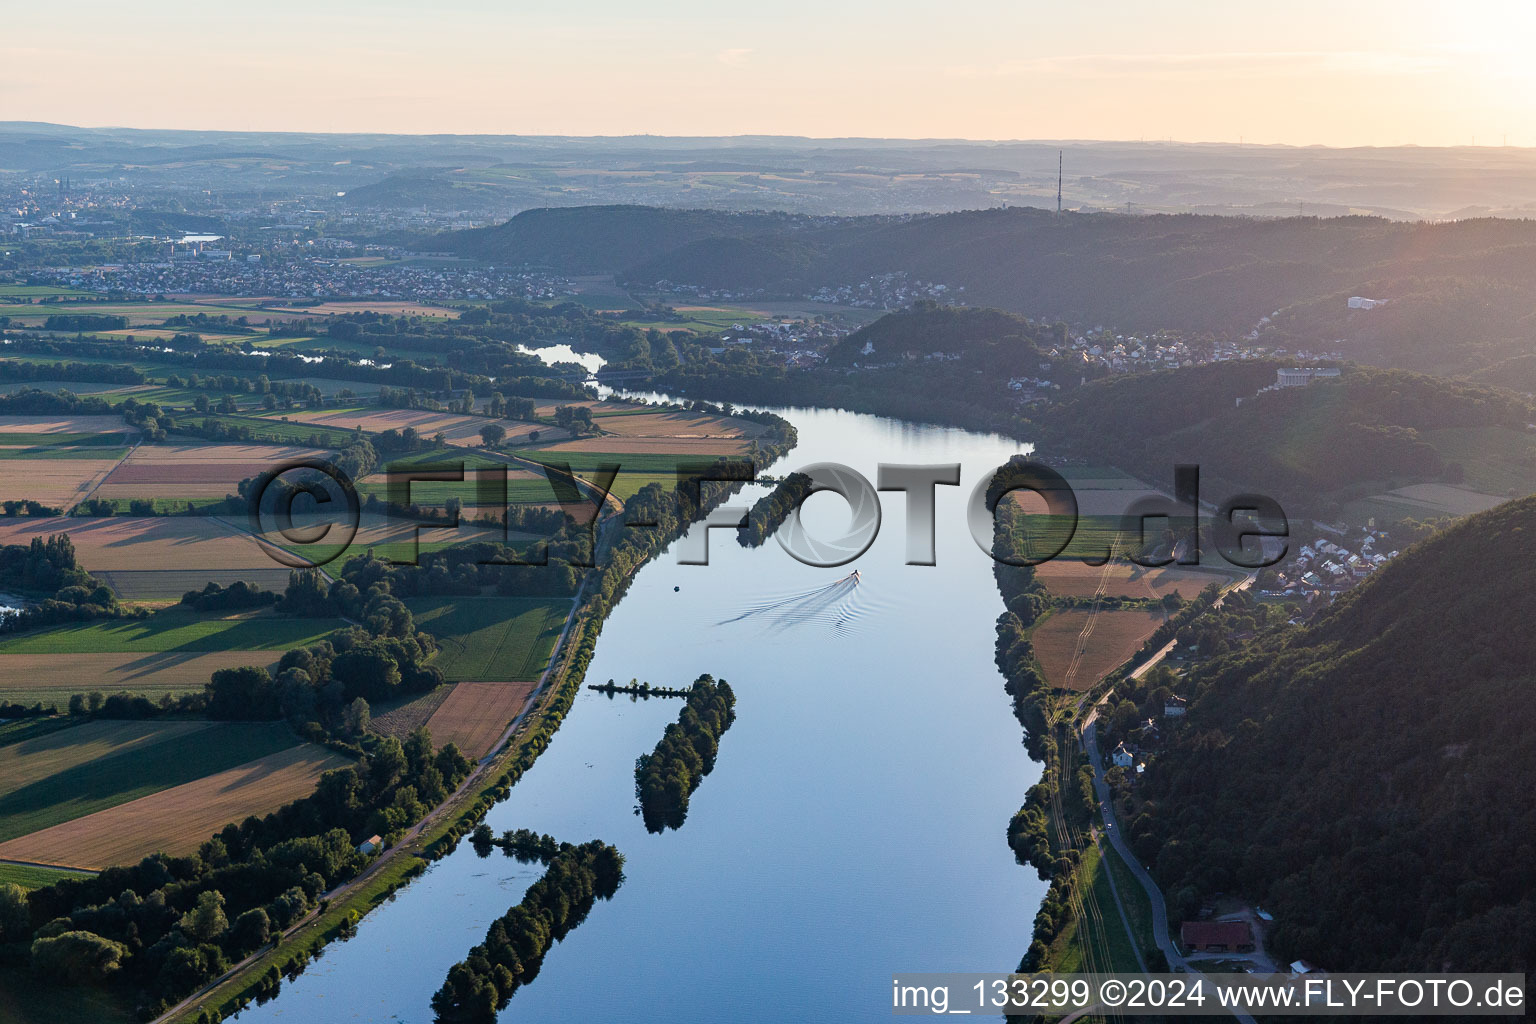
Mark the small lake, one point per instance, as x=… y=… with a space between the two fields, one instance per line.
x=855 y=822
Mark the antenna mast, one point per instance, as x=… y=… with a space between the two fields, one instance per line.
x=1058 y=181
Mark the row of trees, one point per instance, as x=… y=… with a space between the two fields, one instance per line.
x=667 y=776
x=515 y=945
x=160 y=929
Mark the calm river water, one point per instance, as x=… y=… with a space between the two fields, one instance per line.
x=854 y=824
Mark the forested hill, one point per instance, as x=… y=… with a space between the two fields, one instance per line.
x=1310 y=447
x=606 y=239
x=929 y=330
x=1370 y=779
x=1462 y=295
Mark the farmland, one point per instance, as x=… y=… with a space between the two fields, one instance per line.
x=192 y=471
x=1070 y=577
x=102 y=773
x=475 y=714
x=175 y=630
x=178 y=819
x=53 y=481
x=30 y=876
x=146 y=544
x=53 y=678
x=660 y=423
x=400 y=718
x=491 y=638
x=455 y=428
x=1077 y=648
x=636 y=469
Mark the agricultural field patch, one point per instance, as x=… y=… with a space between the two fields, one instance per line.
x=57 y=482
x=30 y=876
x=176 y=629
x=1071 y=577
x=73 y=426
x=491 y=638
x=189 y=543
x=71 y=787
x=153 y=585
x=179 y=819
x=689 y=425
x=475 y=714
x=51 y=679
x=1077 y=647
x=401 y=718
x=457 y=430
x=26 y=761
x=192 y=471
x=390 y=308
x=678 y=447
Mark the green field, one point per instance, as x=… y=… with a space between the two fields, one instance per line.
x=94 y=785
x=39 y=291
x=178 y=630
x=491 y=639
x=29 y=876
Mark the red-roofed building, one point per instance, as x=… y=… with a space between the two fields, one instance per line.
x=1216 y=937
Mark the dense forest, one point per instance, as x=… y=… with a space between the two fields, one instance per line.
x=1367 y=778
x=667 y=776
x=1461 y=292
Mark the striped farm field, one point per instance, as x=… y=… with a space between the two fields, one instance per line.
x=184 y=471
x=1076 y=648
x=51 y=782
x=405 y=717
x=53 y=678
x=57 y=482
x=184 y=543
x=69 y=426
x=175 y=630
x=167 y=585
x=28 y=761
x=179 y=819
x=456 y=429
x=491 y=638
x=476 y=714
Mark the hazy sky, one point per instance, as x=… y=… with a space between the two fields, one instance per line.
x=1433 y=72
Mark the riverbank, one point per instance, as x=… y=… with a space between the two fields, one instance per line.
x=437 y=834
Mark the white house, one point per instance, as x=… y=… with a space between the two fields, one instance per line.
x=1122 y=757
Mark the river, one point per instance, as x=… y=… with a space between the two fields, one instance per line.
x=854 y=824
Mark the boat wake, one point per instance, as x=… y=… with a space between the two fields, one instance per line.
x=841 y=606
